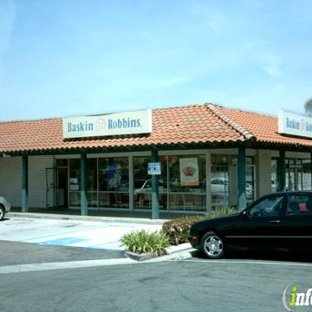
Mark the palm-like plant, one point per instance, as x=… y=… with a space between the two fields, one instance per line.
x=308 y=106
x=146 y=242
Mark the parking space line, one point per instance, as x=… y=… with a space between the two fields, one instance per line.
x=21 y=268
x=252 y=262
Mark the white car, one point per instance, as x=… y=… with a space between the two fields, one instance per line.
x=147 y=187
x=5 y=207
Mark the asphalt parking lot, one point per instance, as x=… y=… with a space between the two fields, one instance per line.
x=16 y=253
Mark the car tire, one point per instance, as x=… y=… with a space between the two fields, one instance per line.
x=2 y=212
x=212 y=245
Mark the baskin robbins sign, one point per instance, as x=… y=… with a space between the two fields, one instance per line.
x=134 y=122
x=294 y=124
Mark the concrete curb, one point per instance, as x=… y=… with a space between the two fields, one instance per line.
x=139 y=257
x=181 y=251
x=33 y=215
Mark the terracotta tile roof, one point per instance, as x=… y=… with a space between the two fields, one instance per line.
x=192 y=124
x=263 y=127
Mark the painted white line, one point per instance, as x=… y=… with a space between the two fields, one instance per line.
x=253 y=262
x=21 y=268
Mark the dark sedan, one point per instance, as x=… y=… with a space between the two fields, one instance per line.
x=279 y=220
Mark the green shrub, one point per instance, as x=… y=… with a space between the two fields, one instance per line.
x=178 y=229
x=146 y=242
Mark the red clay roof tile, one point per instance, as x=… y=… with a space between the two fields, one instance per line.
x=192 y=124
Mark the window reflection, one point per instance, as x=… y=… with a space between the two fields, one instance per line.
x=181 y=183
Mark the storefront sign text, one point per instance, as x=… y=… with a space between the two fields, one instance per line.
x=135 y=122
x=294 y=124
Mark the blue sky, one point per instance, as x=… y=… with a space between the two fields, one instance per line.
x=60 y=58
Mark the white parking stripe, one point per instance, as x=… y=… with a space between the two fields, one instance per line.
x=21 y=268
x=253 y=262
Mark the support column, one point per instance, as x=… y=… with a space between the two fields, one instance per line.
x=24 y=183
x=241 y=178
x=282 y=171
x=155 y=194
x=83 y=185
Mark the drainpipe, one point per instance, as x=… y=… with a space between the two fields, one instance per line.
x=83 y=184
x=155 y=197
x=241 y=178
x=24 y=183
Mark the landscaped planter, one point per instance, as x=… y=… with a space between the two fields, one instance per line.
x=140 y=256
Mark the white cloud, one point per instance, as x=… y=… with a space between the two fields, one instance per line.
x=272 y=71
x=270 y=63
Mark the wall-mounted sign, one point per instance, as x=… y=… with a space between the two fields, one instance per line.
x=294 y=124
x=154 y=168
x=135 y=122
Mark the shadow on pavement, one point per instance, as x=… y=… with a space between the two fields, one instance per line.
x=262 y=255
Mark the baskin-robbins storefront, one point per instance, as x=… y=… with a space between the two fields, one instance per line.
x=190 y=159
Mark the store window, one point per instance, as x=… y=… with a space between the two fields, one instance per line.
x=107 y=182
x=114 y=182
x=187 y=182
x=306 y=174
x=298 y=174
x=224 y=180
x=142 y=183
x=221 y=181
x=181 y=183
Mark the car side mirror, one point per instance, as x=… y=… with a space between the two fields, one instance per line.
x=246 y=213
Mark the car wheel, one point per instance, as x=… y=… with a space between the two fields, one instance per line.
x=1 y=213
x=212 y=245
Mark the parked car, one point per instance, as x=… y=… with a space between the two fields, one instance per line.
x=220 y=186
x=277 y=220
x=143 y=192
x=146 y=187
x=5 y=207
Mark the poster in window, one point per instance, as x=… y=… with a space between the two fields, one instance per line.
x=113 y=176
x=189 y=172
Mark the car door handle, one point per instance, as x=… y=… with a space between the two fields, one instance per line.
x=275 y=221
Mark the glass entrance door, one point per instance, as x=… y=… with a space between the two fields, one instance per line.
x=294 y=175
x=62 y=187
x=50 y=188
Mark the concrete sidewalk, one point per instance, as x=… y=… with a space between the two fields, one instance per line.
x=76 y=231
